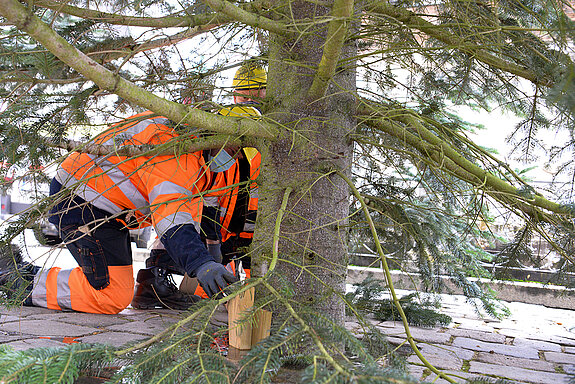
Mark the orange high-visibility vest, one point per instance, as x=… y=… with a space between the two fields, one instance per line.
x=228 y=201
x=164 y=190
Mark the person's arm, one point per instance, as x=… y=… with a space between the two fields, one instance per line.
x=210 y=227
x=184 y=245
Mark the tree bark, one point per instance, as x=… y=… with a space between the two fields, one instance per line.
x=312 y=245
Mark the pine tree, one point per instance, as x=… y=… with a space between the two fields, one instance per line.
x=361 y=107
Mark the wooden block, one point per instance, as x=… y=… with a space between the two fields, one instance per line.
x=262 y=325
x=240 y=334
x=235 y=355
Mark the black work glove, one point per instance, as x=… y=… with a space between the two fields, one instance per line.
x=214 y=277
x=215 y=250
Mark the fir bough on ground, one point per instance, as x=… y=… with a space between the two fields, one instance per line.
x=368 y=299
x=53 y=365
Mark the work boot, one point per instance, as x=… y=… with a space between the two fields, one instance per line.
x=155 y=288
x=17 y=280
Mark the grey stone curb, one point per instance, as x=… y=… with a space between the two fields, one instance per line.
x=532 y=293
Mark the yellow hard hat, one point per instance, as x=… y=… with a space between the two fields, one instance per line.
x=250 y=76
x=239 y=111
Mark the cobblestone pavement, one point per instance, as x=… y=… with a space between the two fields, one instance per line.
x=534 y=345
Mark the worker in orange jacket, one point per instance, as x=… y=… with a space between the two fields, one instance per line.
x=235 y=218
x=238 y=207
x=249 y=84
x=108 y=195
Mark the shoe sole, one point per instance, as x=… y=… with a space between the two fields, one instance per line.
x=159 y=305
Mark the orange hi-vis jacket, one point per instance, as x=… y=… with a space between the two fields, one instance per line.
x=163 y=190
x=229 y=203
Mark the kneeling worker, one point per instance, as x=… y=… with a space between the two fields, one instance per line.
x=153 y=279
x=111 y=193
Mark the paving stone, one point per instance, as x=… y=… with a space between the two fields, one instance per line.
x=538 y=336
x=396 y=331
x=390 y=324
x=461 y=353
x=540 y=333
x=390 y=327
x=537 y=344
x=560 y=357
x=474 y=325
x=116 y=339
x=46 y=328
x=5 y=339
x=356 y=329
x=85 y=319
x=457 y=376
x=397 y=340
x=494 y=358
x=22 y=345
x=440 y=360
x=510 y=350
x=521 y=374
x=490 y=337
x=8 y=318
x=416 y=371
x=150 y=326
x=352 y=324
x=23 y=311
x=430 y=335
x=146 y=313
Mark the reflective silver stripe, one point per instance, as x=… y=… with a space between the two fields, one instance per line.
x=249 y=227
x=223 y=211
x=39 y=291
x=254 y=193
x=63 y=295
x=97 y=199
x=129 y=133
x=211 y=201
x=175 y=219
x=125 y=185
x=166 y=188
x=86 y=192
x=64 y=178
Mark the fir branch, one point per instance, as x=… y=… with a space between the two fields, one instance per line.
x=182 y=19
x=25 y=20
x=252 y=19
x=52 y=365
x=440 y=154
x=308 y=330
x=27 y=79
x=336 y=35
x=174 y=147
x=409 y=18
x=108 y=56
x=367 y=297
x=387 y=272
x=275 y=240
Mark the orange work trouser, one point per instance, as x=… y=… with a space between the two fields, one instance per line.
x=104 y=281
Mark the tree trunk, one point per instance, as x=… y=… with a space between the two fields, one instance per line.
x=313 y=239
